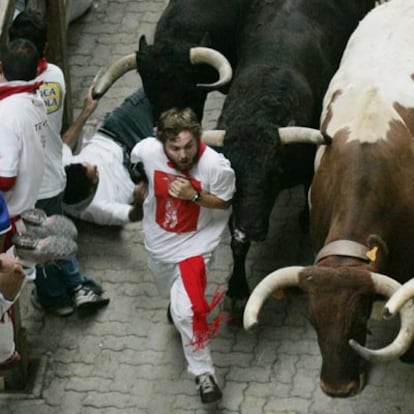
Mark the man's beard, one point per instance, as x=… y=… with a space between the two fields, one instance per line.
x=185 y=166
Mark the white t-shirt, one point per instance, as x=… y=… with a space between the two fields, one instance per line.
x=111 y=204
x=23 y=130
x=177 y=229
x=53 y=93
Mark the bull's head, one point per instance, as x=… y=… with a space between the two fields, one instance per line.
x=261 y=170
x=170 y=78
x=339 y=305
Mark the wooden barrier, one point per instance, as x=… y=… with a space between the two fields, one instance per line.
x=6 y=15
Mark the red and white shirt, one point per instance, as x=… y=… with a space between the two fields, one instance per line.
x=177 y=229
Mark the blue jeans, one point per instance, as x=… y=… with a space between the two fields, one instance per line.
x=55 y=282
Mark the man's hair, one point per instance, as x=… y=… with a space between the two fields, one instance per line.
x=19 y=59
x=30 y=25
x=78 y=184
x=174 y=121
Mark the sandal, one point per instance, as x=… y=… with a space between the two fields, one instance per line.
x=40 y=225
x=41 y=251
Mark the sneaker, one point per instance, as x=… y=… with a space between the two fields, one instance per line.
x=84 y=298
x=208 y=388
x=10 y=362
x=39 y=225
x=41 y=251
x=64 y=310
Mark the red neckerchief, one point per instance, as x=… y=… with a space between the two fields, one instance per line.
x=8 y=90
x=41 y=66
x=201 y=148
x=193 y=274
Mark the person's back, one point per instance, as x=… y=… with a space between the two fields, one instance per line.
x=31 y=25
x=22 y=130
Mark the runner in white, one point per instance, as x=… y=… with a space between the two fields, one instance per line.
x=186 y=209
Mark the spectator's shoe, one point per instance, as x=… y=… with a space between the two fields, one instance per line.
x=39 y=225
x=41 y=251
x=86 y=298
x=64 y=310
x=209 y=390
x=10 y=362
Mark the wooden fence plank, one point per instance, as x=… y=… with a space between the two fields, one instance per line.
x=6 y=15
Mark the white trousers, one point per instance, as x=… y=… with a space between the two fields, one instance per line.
x=170 y=284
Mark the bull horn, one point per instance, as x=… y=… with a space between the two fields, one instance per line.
x=386 y=286
x=105 y=79
x=279 y=279
x=303 y=135
x=398 y=299
x=214 y=58
x=214 y=137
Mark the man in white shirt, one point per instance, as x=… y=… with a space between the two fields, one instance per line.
x=22 y=136
x=186 y=209
x=23 y=128
x=114 y=198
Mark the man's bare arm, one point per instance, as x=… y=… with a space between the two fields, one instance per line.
x=71 y=136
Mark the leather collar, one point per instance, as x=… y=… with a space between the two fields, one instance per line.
x=343 y=248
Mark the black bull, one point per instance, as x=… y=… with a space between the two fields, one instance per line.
x=287 y=54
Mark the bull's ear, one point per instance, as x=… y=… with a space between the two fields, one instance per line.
x=206 y=40
x=142 y=44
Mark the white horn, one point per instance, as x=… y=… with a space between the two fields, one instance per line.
x=105 y=79
x=214 y=137
x=303 y=135
x=386 y=286
x=287 y=276
x=217 y=60
x=398 y=299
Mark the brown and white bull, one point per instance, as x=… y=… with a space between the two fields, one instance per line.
x=361 y=200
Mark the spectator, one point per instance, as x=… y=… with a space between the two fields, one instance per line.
x=59 y=286
x=23 y=129
x=23 y=122
x=190 y=187
x=111 y=200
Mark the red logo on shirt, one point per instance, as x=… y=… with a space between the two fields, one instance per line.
x=172 y=214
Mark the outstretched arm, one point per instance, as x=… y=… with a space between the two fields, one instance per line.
x=71 y=136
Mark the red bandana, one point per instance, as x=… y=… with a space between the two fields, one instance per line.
x=8 y=90
x=193 y=273
x=41 y=66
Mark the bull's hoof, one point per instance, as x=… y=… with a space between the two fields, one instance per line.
x=235 y=308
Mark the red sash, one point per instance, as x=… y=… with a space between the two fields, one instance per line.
x=193 y=273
